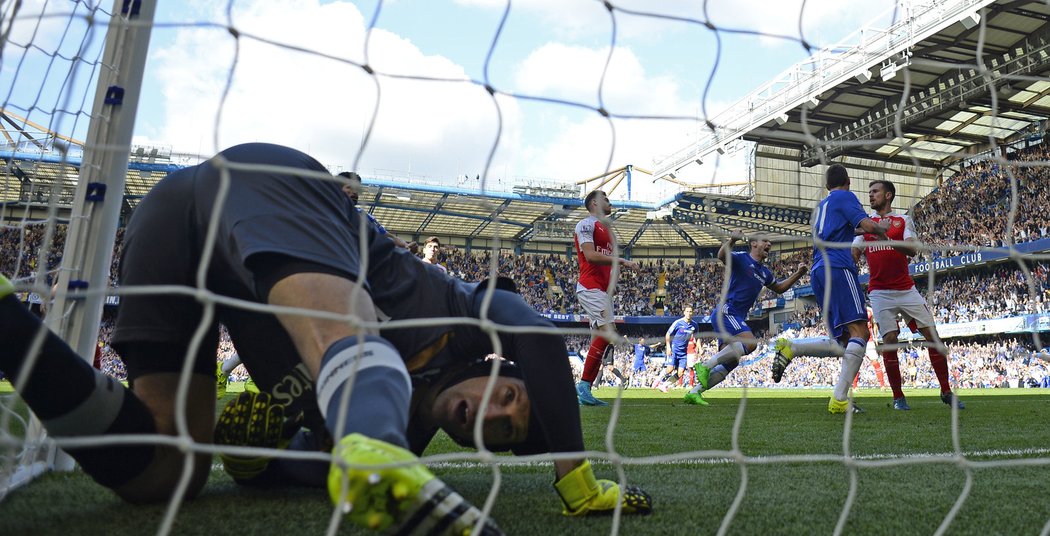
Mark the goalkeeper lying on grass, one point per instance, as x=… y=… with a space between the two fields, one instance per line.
x=285 y=234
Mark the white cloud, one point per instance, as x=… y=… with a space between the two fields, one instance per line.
x=575 y=73
x=323 y=105
x=441 y=129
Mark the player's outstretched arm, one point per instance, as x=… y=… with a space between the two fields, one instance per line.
x=583 y=494
x=782 y=286
x=727 y=246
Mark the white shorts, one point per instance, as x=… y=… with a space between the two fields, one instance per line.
x=598 y=306
x=887 y=304
x=690 y=360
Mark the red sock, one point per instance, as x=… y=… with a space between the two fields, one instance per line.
x=893 y=372
x=940 y=367
x=692 y=377
x=594 y=359
x=878 y=374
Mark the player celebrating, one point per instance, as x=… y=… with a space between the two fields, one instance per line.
x=748 y=274
x=594 y=250
x=835 y=285
x=676 y=344
x=892 y=292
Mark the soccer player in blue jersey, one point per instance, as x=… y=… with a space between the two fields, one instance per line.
x=748 y=275
x=641 y=355
x=836 y=221
x=677 y=340
x=641 y=359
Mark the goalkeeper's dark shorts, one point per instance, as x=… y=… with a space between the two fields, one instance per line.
x=267 y=224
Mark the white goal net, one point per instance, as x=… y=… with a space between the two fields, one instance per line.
x=484 y=124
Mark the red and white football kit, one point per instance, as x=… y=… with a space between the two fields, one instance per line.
x=891 y=290
x=592 y=288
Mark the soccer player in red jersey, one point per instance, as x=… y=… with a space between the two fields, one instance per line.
x=892 y=292
x=594 y=250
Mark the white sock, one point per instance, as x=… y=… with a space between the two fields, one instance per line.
x=851 y=362
x=729 y=353
x=718 y=374
x=817 y=347
x=230 y=364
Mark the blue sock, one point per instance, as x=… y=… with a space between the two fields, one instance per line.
x=380 y=390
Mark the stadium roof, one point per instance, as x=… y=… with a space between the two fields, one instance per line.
x=957 y=77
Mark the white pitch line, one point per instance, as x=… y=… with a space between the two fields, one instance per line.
x=1008 y=453
x=1001 y=453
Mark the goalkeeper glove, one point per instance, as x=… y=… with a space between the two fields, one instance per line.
x=582 y=494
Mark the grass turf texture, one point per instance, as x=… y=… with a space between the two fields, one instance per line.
x=692 y=495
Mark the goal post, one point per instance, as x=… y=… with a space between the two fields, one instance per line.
x=83 y=278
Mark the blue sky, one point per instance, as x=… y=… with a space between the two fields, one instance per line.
x=440 y=130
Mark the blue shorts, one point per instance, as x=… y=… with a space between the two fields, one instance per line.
x=678 y=361
x=639 y=366
x=846 y=302
x=728 y=324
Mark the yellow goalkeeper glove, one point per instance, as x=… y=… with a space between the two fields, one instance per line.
x=582 y=494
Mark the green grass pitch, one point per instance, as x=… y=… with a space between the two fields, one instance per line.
x=692 y=494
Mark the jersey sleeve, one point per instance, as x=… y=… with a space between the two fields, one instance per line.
x=770 y=279
x=585 y=231
x=671 y=330
x=909 y=228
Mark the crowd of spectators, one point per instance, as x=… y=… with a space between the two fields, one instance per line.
x=20 y=251
x=990 y=292
x=996 y=363
x=972 y=207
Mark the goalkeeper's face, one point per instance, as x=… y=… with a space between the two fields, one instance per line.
x=506 y=419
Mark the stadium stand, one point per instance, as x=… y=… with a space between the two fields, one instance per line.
x=979 y=195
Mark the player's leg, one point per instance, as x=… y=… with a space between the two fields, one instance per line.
x=848 y=319
x=729 y=354
x=721 y=372
x=939 y=362
x=893 y=368
x=855 y=336
x=914 y=308
x=876 y=364
x=75 y=400
x=598 y=306
x=788 y=349
x=667 y=375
